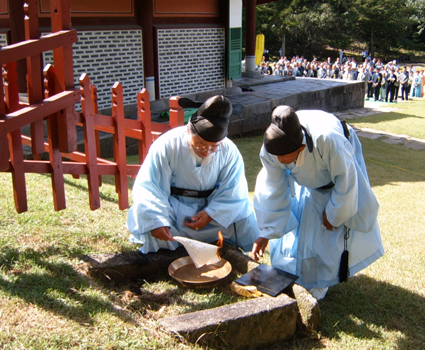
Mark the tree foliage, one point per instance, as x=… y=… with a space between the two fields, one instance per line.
x=305 y=26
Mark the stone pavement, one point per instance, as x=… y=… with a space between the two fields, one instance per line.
x=372 y=108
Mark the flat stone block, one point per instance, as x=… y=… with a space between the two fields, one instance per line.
x=291 y=100
x=256 y=123
x=370 y=135
x=133 y=264
x=415 y=144
x=251 y=74
x=309 y=317
x=394 y=140
x=245 y=325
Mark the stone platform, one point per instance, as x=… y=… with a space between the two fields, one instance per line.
x=330 y=95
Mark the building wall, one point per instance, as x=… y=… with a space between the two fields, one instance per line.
x=190 y=60
x=108 y=56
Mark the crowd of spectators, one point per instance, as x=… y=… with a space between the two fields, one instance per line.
x=385 y=81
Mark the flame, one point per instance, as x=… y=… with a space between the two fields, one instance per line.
x=219 y=243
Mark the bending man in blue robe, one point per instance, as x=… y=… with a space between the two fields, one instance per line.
x=192 y=184
x=313 y=199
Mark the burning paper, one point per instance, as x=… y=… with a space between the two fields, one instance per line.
x=201 y=253
x=219 y=243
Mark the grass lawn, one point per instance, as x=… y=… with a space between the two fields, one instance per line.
x=48 y=302
x=405 y=118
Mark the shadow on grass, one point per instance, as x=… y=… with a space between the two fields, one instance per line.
x=53 y=286
x=365 y=308
x=389 y=164
x=385 y=117
x=106 y=179
x=186 y=299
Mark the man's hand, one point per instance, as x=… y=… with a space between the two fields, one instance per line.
x=162 y=233
x=199 y=221
x=259 y=247
x=326 y=223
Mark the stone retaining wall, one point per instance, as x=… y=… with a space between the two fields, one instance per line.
x=256 y=116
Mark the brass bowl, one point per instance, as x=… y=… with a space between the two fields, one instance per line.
x=184 y=271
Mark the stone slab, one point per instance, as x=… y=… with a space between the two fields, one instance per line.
x=248 y=324
x=415 y=144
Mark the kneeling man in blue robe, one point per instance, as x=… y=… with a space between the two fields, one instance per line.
x=192 y=184
x=313 y=200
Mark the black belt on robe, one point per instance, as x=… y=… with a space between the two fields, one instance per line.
x=190 y=193
x=327 y=187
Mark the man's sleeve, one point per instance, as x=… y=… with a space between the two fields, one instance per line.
x=151 y=191
x=273 y=201
x=230 y=200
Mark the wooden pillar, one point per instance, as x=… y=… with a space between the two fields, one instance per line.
x=250 y=14
x=34 y=75
x=55 y=157
x=90 y=142
x=120 y=155
x=144 y=115
x=144 y=13
x=63 y=61
x=17 y=34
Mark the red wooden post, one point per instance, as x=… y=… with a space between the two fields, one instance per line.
x=4 y=147
x=144 y=115
x=120 y=154
x=11 y=89
x=9 y=102
x=18 y=172
x=15 y=142
x=89 y=142
x=93 y=90
x=55 y=156
x=63 y=61
x=34 y=76
x=176 y=113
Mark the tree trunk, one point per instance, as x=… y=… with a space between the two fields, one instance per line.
x=372 y=44
x=283 y=45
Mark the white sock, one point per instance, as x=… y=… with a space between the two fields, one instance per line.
x=318 y=293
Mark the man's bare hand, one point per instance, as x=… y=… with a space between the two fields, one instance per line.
x=259 y=247
x=326 y=223
x=199 y=221
x=162 y=233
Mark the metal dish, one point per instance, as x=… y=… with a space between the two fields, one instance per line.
x=184 y=271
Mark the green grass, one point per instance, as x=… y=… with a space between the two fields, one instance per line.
x=47 y=300
x=407 y=119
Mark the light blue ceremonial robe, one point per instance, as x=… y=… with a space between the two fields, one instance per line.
x=289 y=205
x=171 y=161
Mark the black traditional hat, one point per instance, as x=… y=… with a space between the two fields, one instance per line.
x=211 y=120
x=284 y=135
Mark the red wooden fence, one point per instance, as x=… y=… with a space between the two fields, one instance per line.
x=53 y=103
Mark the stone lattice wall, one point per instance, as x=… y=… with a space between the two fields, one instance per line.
x=191 y=60
x=3 y=40
x=109 y=56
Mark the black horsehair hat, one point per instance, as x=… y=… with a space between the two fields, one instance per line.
x=285 y=134
x=211 y=120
